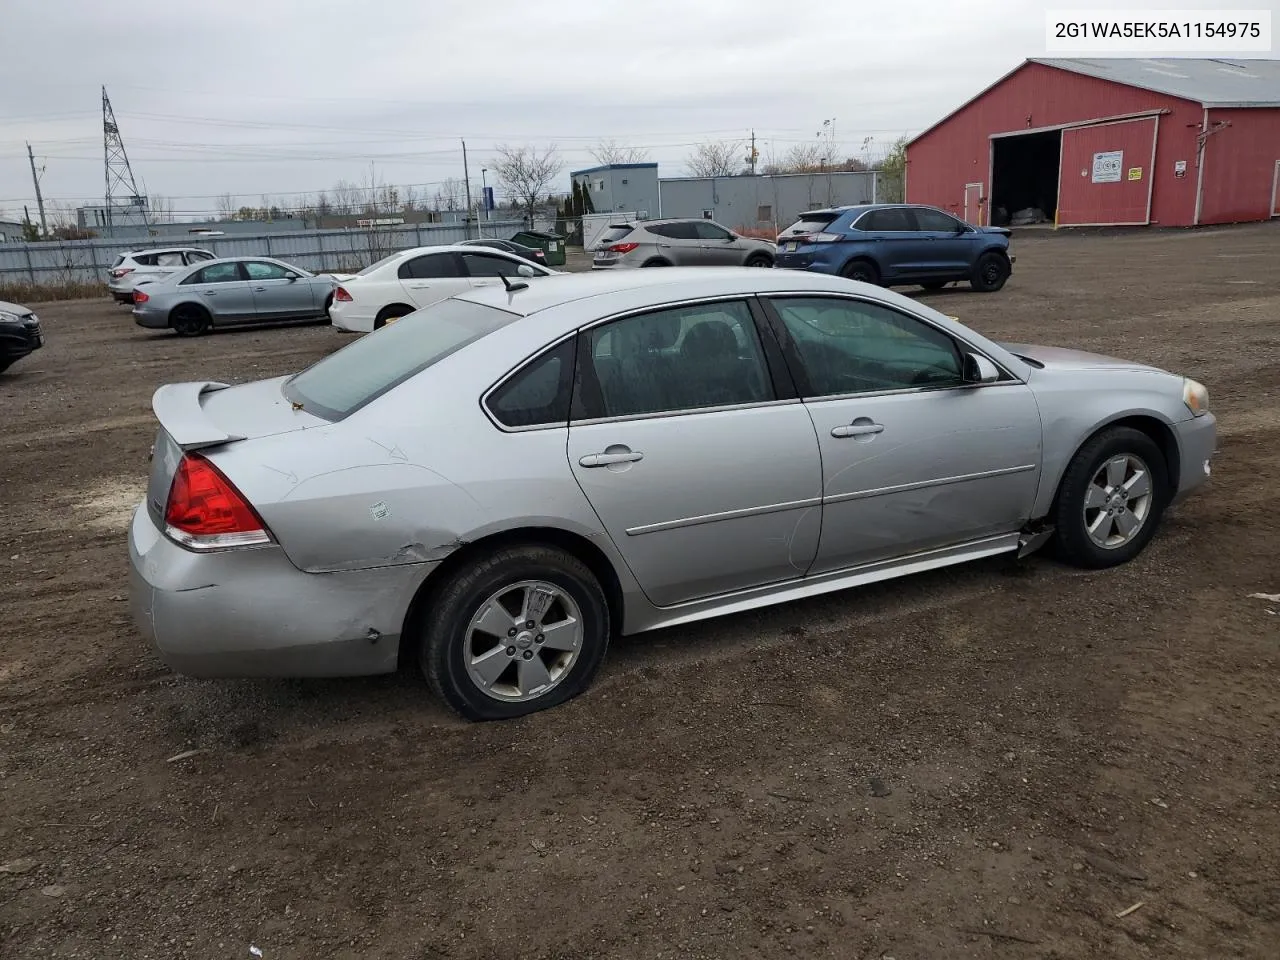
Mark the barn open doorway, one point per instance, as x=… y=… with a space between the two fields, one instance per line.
x=1024 y=177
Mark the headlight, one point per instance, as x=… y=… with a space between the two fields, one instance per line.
x=7 y=317
x=1195 y=396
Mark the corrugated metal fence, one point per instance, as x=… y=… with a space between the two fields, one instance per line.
x=56 y=262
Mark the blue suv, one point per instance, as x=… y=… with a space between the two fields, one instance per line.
x=894 y=244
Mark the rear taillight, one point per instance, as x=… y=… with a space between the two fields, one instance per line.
x=206 y=512
x=140 y=297
x=341 y=295
x=119 y=272
x=824 y=238
x=622 y=247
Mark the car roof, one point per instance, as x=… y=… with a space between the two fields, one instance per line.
x=863 y=207
x=143 y=250
x=646 y=287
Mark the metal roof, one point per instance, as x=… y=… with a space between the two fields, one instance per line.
x=612 y=166
x=1210 y=83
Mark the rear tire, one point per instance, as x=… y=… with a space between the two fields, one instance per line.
x=934 y=284
x=1102 y=493
x=863 y=271
x=190 y=320
x=990 y=272
x=393 y=312
x=328 y=302
x=457 y=644
x=656 y=263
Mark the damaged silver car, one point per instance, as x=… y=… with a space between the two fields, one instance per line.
x=499 y=483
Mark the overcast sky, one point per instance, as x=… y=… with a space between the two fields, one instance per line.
x=282 y=97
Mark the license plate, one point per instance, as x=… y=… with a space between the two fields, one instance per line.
x=792 y=246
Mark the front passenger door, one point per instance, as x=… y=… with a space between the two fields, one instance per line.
x=913 y=458
x=720 y=248
x=487 y=270
x=703 y=480
x=275 y=296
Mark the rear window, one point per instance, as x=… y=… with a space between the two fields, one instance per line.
x=360 y=372
x=615 y=233
x=378 y=263
x=810 y=223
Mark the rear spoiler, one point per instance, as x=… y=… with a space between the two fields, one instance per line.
x=177 y=407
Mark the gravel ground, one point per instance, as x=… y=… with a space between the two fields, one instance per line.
x=992 y=761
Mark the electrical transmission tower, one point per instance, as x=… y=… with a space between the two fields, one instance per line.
x=124 y=205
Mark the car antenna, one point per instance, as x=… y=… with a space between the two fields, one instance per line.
x=513 y=287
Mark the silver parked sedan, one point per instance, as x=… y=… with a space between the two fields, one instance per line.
x=230 y=291
x=678 y=243
x=500 y=482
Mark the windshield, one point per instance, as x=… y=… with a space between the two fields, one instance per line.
x=374 y=266
x=360 y=372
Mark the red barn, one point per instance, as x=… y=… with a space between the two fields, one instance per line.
x=1175 y=142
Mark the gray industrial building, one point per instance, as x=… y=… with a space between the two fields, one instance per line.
x=10 y=231
x=746 y=202
x=632 y=187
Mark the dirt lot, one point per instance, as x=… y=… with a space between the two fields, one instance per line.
x=993 y=761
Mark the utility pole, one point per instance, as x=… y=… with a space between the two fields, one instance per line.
x=751 y=157
x=35 y=178
x=466 y=175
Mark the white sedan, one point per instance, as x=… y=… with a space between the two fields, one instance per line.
x=411 y=279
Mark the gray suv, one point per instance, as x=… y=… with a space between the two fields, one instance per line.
x=678 y=243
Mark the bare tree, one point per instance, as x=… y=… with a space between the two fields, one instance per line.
x=323 y=206
x=410 y=196
x=160 y=208
x=227 y=207
x=450 y=195
x=805 y=158
x=715 y=158
x=346 y=197
x=526 y=175
x=610 y=151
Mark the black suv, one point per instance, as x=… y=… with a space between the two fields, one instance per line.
x=19 y=333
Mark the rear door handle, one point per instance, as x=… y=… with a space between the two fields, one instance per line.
x=607 y=459
x=419 y=286
x=857 y=430
x=209 y=293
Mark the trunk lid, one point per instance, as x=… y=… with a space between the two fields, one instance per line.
x=204 y=414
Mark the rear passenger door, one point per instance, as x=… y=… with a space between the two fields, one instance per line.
x=700 y=463
x=896 y=245
x=432 y=277
x=223 y=290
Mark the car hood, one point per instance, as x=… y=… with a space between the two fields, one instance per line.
x=1060 y=358
x=7 y=307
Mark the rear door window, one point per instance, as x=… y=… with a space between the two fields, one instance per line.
x=195 y=256
x=685 y=230
x=172 y=259
x=888 y=220
x=431 y=266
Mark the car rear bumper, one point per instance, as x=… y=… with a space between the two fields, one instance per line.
x=151 y=319
x=342 y=317
x=251 y=613
x=1197 y=443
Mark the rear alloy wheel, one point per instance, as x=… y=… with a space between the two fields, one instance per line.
x=989 y=273
x=759 y=260
x=521 y=630
x=190 y=321
x=390 y=315
x=863 y=271
x=1111 y=499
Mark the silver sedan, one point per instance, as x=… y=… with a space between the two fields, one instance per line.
x=230 y=291
x=499 y=483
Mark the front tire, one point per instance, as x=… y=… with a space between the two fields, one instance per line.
x=515 y=632
x=1111 y=499
x=990 y=272
x=759 y=260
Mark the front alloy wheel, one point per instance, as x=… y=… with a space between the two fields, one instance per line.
x=1118 y=501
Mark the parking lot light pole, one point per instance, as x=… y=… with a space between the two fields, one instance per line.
x=484 y=191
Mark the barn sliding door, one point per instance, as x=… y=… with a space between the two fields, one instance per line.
x=1106 y=173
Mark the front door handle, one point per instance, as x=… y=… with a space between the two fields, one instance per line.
x=209 y=293
x=863 y=429
x=608 y=459
x=259 y=289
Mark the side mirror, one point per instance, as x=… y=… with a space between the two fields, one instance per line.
x=730 y=238
x=526 y=271
x=291 y=276
x=978 y=369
